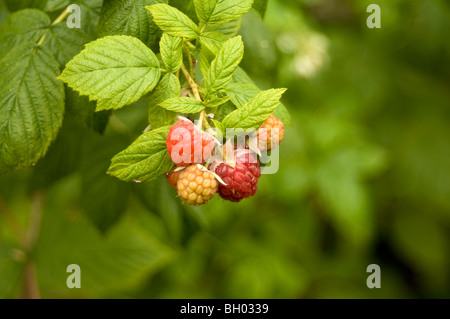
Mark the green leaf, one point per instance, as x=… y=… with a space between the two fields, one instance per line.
x=30 y=25
x=204 y=9
x=115 y=70
x=173 y=22
x=228 y=29
x=255 y=112
x=65 y=42
x=167 y=88
x=129 y=17
x=243 y=89
x=241 y=94
x=21 y=27
x=187 y=7
x=213 y=41
x=224 y=110
x=145 y=159
x=171 y=52
x=282 y=113
x=218 y=101
x=183 y=105
x=224 y=65
x=31 y=105
x=228 y=10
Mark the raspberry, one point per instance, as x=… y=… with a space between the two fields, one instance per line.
x=196 y=185
x=242 y=179
x=267 y=133
x=188 y=145
x=172 y=177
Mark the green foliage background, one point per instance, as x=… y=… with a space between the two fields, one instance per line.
x=364 y=174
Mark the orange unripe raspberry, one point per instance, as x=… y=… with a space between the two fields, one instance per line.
x=172 y=177
x=196 y=185
x=271 y=132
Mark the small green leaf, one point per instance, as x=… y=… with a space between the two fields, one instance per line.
x=173 y=22
x=183 y=105
x=31 y=105
x=213 y=41
x=228 y=10
x=171 y=52
x=145 y=159
x=167 y=88
x=218 y=101
x=224 y=65
x=255 y=112
x=115 y=70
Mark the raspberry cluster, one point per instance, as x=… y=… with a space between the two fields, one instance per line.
x=234 y=178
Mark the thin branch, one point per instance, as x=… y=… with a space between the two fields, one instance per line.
x=31 y=287
x=192 y=83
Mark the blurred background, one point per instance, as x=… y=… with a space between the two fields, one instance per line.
x=364 y=177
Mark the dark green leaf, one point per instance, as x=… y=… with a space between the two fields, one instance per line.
x=129 y=17
x=31 y=105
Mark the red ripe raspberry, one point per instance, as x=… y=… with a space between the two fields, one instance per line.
x=241 y=179
x=188 y=145
x=271 y=132
x=196 y=185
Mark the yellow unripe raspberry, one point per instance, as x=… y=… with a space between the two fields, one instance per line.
x=196 y=185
